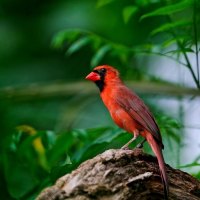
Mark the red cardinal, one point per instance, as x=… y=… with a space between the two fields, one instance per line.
x=129 y=112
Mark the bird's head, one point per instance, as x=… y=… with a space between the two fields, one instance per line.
x=103 y=75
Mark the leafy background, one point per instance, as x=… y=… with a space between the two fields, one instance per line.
x=52 y=119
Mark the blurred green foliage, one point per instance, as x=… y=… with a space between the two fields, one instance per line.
x=59 y=41
x=35 y=159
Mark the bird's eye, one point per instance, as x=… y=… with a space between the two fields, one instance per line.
x=103 y=70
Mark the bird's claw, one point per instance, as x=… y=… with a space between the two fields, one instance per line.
x=139 y=146
x=125 y=147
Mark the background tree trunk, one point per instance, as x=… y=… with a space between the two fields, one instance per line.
x=122 y=174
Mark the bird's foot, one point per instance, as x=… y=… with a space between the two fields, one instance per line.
x=140 y=145
x=125 y=147
x=128 y=143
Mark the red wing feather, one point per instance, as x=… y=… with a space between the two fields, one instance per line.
x=138 y=111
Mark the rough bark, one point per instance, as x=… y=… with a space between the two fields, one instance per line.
x=122 y=175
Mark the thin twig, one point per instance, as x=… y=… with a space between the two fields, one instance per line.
x=188 y=64
x=180 y=45
x=164 y=55
x=196 y=39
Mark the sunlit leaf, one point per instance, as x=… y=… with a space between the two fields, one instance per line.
x=101 y=3
x=194 y=164
x=197 y=175
x=128 y=12
x=31 y=145
x=177 y=51
x=169 y=42
x=169 y=9
x=171 y=26
x=48 y=139
x=99 y=55
x=78 y=45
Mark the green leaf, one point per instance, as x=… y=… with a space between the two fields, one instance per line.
x=189 y=50
x=78 y=44
x=177 y=51
x=61 y=37
x=60 y=148
x=128 y=12
x=121 y=52
x=88 y=135
x=169 y=42
x=101 y=3
x=194 y=164
x=181 y=38
x=98 y=145
x=170 y=9
x=197 y=175
x=109 y=136
x=96 y=41
x=99 y=55
x=60 y=168
x=170 y=26
x=48 y=139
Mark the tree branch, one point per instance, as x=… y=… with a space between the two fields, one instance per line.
x=122 y=174
x=65 y=89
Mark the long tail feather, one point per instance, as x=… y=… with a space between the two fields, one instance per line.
x=158 y=152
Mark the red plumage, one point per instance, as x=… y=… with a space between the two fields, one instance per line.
x=129 y=112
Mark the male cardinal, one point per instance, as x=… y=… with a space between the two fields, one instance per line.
x=129 y=112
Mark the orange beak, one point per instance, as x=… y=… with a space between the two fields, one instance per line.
x=93 y=77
